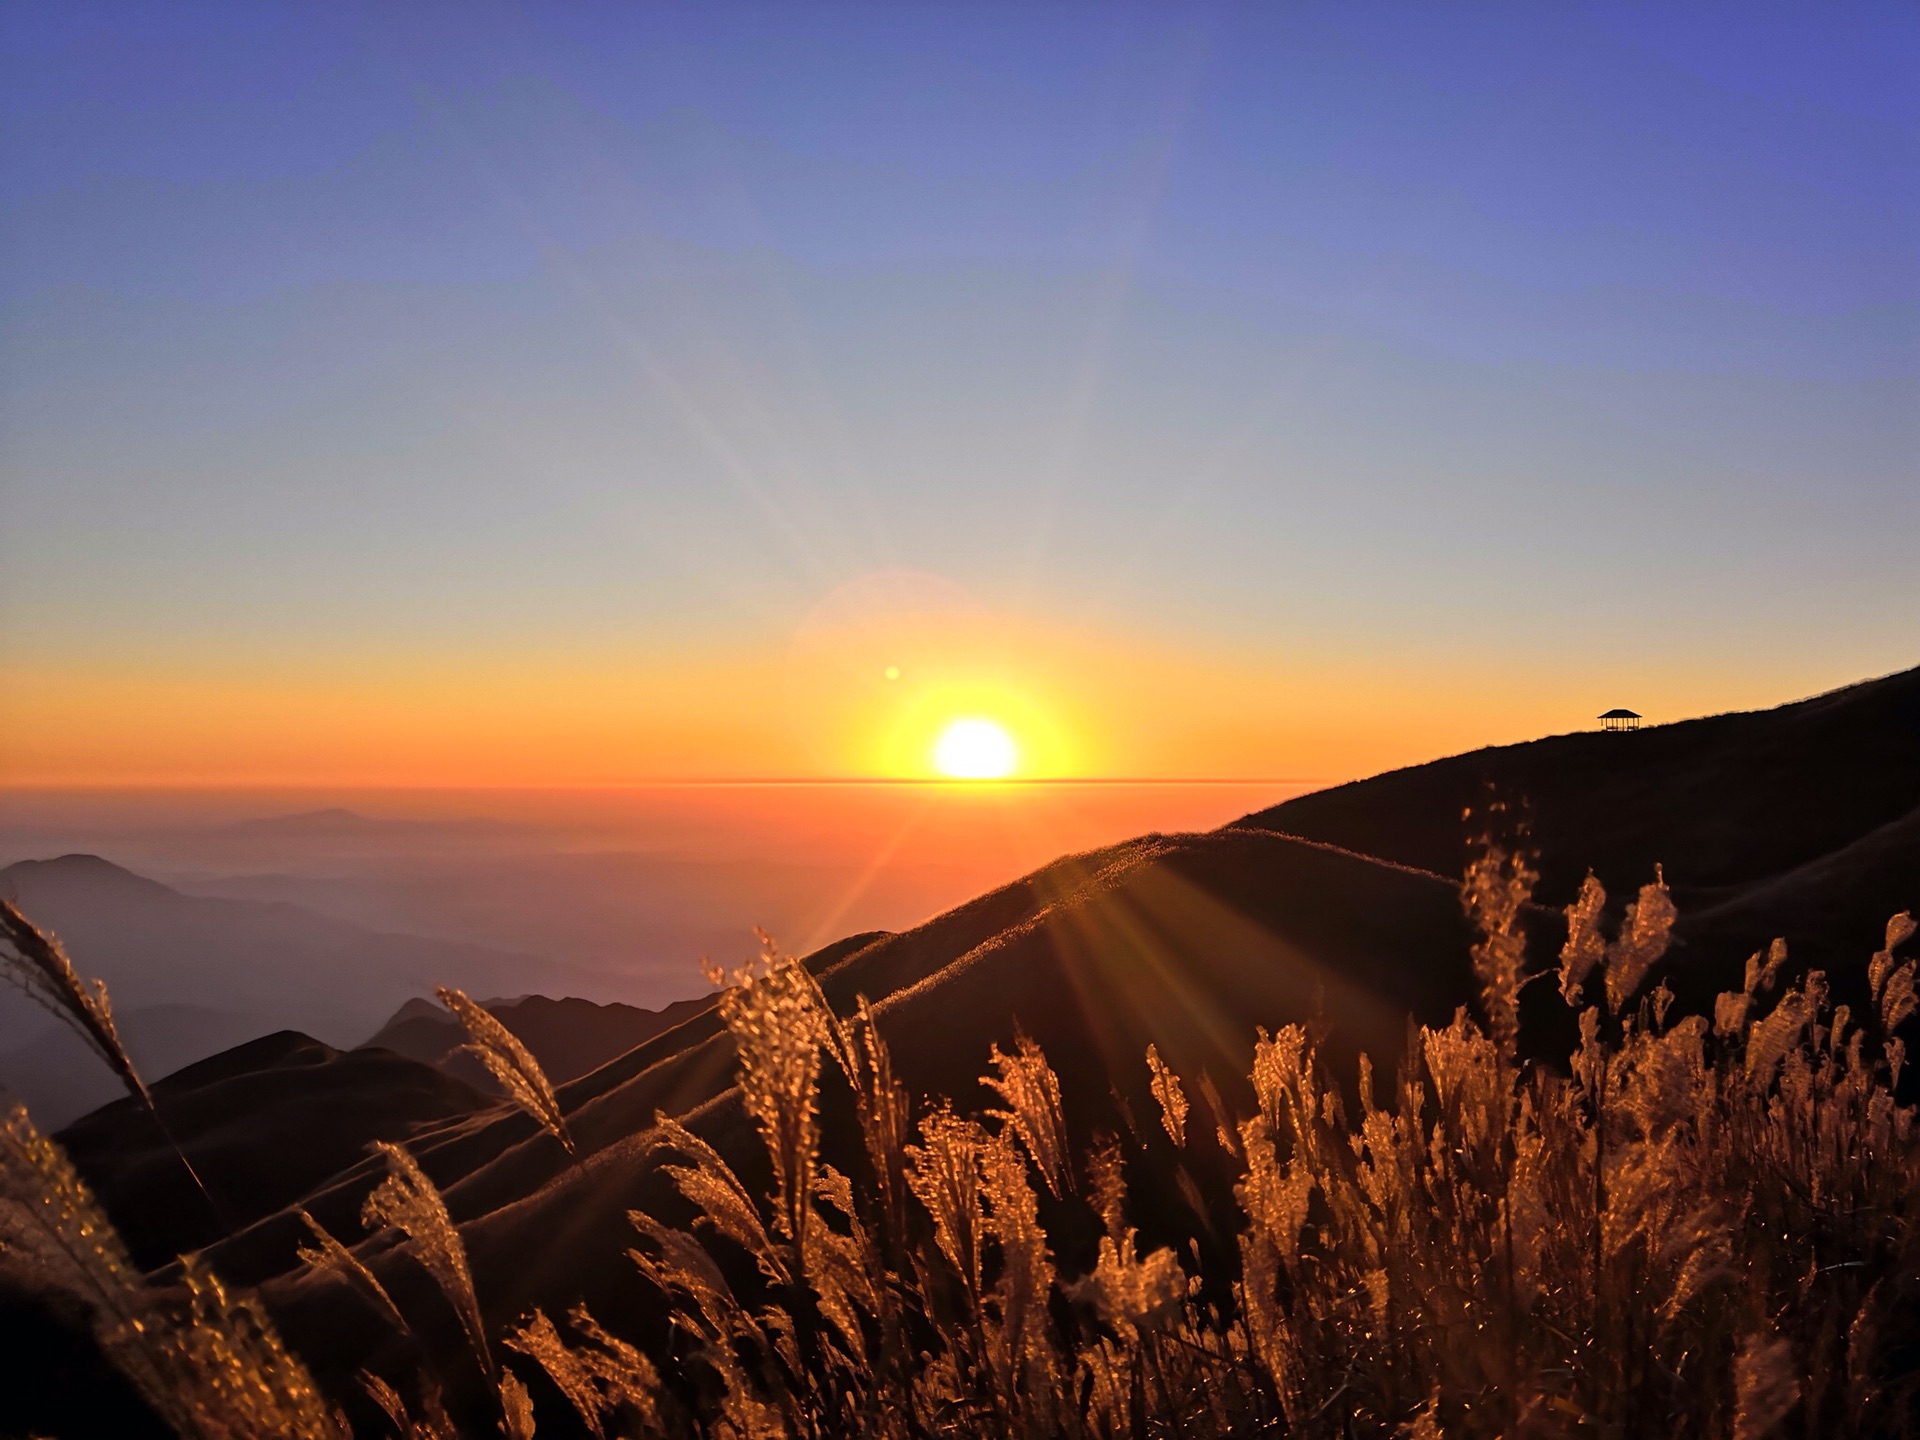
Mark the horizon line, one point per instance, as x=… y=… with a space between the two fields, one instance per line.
x=713 y=782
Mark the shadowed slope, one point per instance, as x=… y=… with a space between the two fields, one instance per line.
x=263 y=1124
x=1187 y=941
x=1723 y=801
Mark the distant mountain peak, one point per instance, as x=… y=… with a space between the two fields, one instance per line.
x=80 y=868
x=336 y=822
x=330 y=820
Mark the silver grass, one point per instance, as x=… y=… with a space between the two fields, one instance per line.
x=778 y=1026
x=1030 y=1090
x=226 y=1374
x=516 y=1407
x=1585 y=947
x=207 y=1360
x=1643 y=939
x=1169 y=1096
x=35 y=962
x=329 y=1254
x=1494 y=893
x=1130 y=1293
x=1766 y=1386
x=509 y=1062
x=539 y=1341
x=409 y=1202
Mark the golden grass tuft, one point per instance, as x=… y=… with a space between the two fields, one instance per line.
x=509 y=1062
x=328 y=1254
x=408 y=1201
x=35 y=962
x=1171 y=1099
x=208 y=1361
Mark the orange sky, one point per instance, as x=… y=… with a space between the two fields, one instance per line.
x=1078 y=704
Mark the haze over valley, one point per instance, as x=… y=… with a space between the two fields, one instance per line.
x=215 y=917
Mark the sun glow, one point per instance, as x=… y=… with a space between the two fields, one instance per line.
x=975 y=749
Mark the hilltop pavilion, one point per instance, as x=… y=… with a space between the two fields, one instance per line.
x=1620 y=721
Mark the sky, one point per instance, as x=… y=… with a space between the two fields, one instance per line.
x=584 y=394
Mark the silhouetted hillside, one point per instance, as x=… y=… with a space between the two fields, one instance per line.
x=58 y=1078
x=1801 y=822
x=1725 y=801
x=263 y=1123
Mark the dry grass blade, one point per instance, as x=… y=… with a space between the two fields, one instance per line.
x=1585 y=947
x=1764 y=974
x=1766 y=1386
x=1013 y=1217
x=778 y=1028
x=943 y=1171
x=1643 y=939
x=389 y=1401
x=885 y=1119
x=1170 y=1097
x=329 y=1254
x=53 y=1235
x=212 y=1368
x=509 y=1062
x=571 y=1374
x=1129 y=1294
x=225 y=1373
x=1031 y=1091
x=627 y=1378
x=1892 y=983
x=725 y=1205
x=1497 y=887
x=433 y=1423
x=1769 y=1041
x=516 y=1408
x=409 y=1202
x=37 y=963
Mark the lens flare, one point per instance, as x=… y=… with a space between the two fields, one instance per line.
x=975 y=749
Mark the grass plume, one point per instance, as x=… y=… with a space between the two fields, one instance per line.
x=205 y=1359
x=509 y=1062
x=34 y=960
x=328 y=1254
x=410 y=1203
x=1169 y=1096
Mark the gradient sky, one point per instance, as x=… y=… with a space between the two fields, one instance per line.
x=565 y=393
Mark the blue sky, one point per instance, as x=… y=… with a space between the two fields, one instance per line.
x=1579 y=343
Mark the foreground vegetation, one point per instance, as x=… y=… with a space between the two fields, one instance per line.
x=1703 y=1226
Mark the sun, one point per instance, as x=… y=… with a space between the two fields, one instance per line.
x=974 y=749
